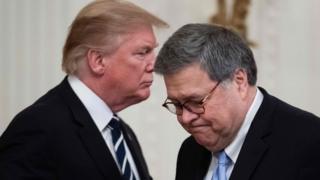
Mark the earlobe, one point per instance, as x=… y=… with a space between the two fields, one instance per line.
x=96 y=62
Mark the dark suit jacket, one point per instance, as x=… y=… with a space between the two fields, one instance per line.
x=55 y=138
x=283 y=143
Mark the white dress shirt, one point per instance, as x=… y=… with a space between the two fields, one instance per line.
x=101 y=115
x=233 y=149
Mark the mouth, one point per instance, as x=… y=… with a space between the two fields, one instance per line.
x=147 y=83
x=197 y=128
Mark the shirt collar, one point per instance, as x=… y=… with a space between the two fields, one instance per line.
x=233 y=149
x=97 y=108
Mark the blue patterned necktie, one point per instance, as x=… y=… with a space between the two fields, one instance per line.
x=118 y=142
x=221 y=170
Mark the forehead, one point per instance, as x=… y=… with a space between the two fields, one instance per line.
x=188 y=82
x=140 y=36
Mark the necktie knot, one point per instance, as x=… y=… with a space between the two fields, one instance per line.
x=223 y=158
x=114 y=123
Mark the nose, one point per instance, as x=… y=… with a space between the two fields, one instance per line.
x=150 y=62
x=187 y=117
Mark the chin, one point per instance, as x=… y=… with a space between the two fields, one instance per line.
x=207 y=143
x=144 y=94
x=141 y=96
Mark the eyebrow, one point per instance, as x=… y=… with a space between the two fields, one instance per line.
x=149 y=44
x=192 y=97
x=148 y=47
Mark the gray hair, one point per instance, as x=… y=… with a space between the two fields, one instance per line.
x=219 y=51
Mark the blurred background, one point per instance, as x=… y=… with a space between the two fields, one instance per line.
x=287 y=50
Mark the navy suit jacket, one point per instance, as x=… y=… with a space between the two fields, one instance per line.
x=56 y=138
x=283 y=143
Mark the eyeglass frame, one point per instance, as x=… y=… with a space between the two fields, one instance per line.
x=183 y=105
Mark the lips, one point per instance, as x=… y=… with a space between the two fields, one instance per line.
x=147 y=83
x=196 y=128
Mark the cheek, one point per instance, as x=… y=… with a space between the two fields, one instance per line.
x=131 y=73
x=136 y=68
x=219 y=117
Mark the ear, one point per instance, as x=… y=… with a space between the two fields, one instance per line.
x=241 y=81
x=96 y=61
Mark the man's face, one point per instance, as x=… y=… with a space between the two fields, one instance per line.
x=130 y=67
x=218 y=125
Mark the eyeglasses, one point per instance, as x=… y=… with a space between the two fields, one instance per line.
x=196 y=107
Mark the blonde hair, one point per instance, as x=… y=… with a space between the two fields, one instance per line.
x=99 y=25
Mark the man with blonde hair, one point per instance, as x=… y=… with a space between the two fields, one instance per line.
x=73 y=131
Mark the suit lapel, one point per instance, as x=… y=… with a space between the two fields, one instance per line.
x=99 y=152
x=249 y=158
x=89 y=134
x=255 y=144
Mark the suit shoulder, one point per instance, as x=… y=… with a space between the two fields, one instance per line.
x=189 y=142
x=283 y=109
x=190 y=146
x=192 y=158
x=44 y=111
x=292 y=113
x=293 y=119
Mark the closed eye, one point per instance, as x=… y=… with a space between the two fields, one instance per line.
x=144 y=51
x=194 y=103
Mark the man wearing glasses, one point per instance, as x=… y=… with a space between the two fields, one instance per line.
x=238 y=130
